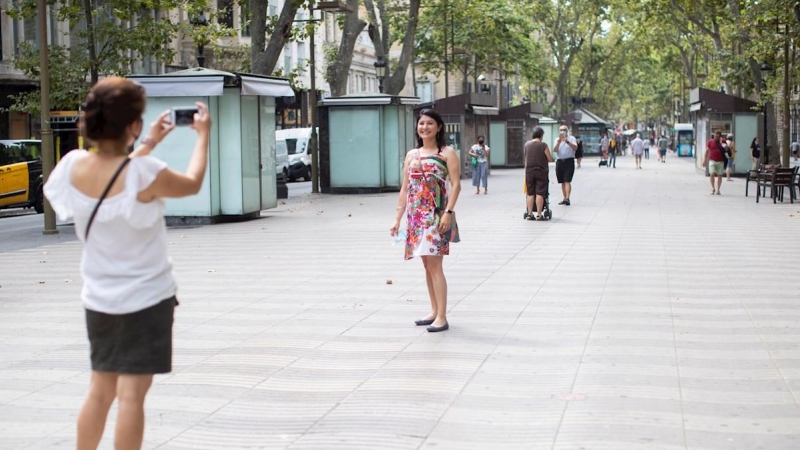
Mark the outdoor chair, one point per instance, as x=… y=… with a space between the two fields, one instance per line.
x=762 y=176
x=780 y=179
x=752 y=176
x=796 y=182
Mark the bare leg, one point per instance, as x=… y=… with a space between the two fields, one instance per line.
x=529 y=203
x=564 y=190
x=440 y=286
x=567 y=190
x=431 y=292
x=539 y=205
x=92 y=419
x=711 y=178
x=131 y=391
x=719 y=182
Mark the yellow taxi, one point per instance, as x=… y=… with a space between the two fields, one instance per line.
x=21 y=177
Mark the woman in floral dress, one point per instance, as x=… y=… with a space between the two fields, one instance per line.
x=429 y=206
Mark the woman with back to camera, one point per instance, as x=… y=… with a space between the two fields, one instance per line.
x=537 y=158
x=429 y=207
x=755 y=153
x=731 y=154
x=128 y=292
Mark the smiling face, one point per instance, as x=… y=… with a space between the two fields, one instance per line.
x=427 y=128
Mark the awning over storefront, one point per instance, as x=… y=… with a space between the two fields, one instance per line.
x=265 y=86
x=196 y=86
x=201 y=82
x=485 y=110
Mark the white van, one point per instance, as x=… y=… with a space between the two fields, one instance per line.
x=296 y=141
x=281 y=160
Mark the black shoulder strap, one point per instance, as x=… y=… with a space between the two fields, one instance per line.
x=103 y=196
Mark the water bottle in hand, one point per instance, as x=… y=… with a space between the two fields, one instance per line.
x=400 y=237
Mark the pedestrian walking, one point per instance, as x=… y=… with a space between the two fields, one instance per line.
x=537 y=158
x=605 y=142
x=579 y=151
x=730 y=153
x=715 y=162
x=613 y=149
x=662 y=149
x=128 y=286
x=646 y=143
x=652 y=146
x=565 y=147
x=755 y=153
x=724 y=144
x=429 y=208
x=796 y=150
x=637 y=149
x=480 y=173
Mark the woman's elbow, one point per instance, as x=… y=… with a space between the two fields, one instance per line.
x=196 y=187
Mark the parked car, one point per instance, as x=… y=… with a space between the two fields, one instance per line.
x=21 y=178
x=296 y=141
x=281 y=159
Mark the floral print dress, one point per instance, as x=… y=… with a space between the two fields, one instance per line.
x=427 y=195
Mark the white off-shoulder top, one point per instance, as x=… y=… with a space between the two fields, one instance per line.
x=125 y=266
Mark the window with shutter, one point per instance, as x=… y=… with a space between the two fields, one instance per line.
x=225 y=13
x=287 y=59
x=30 y=30
x=244 y=17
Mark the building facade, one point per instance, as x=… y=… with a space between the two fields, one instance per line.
x=233 y=14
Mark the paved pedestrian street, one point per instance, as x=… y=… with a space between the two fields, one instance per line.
x=648 y=314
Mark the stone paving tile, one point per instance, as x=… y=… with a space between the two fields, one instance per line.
x=622 y=323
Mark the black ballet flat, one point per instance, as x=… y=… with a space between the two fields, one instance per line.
x=432 y=329
x=422 y=322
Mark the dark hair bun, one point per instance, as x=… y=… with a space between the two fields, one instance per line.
x=111 y=105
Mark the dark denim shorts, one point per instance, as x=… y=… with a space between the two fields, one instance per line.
x=136 y=343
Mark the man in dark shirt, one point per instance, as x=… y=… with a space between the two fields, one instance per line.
x=715 y=161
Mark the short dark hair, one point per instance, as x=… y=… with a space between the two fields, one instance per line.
x=538 y=132
x=440 y=141
x=111 y=105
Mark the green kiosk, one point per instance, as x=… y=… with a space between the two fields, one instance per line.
x=363 y=141
x=241 y=175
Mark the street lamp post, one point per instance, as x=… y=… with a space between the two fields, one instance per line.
x=48 y=152
x=380 y=72
x=786 y=96
x=312 y=105
x=765 y=70
x=330 y=6
x=200 y=21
